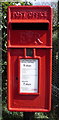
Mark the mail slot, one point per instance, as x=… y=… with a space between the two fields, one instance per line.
x=29 y=58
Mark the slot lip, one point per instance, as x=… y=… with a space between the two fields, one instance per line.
x=29 y=21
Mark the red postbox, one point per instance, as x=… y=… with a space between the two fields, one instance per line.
x=29 y=58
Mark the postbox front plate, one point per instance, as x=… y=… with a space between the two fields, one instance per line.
x=29 y=58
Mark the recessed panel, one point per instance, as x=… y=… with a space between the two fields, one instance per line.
x=28 y=76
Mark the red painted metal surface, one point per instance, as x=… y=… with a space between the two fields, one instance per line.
x=30 y=27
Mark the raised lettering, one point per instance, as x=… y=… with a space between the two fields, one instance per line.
x=28 y=15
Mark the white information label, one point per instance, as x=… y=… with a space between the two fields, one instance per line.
x=28 y=75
